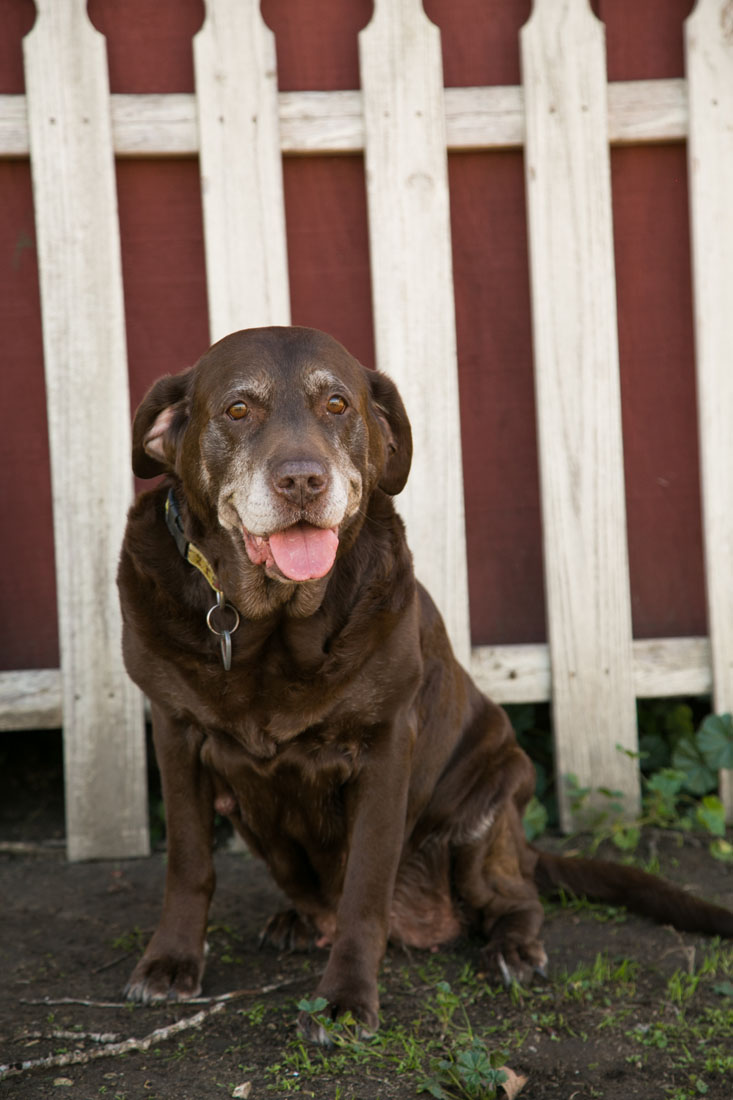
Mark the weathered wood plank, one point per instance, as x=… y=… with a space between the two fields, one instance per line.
x=30 y=700
x=709 y=55
x=155 y=125
x=509 y=674
x=662 y=668
x=666 y=667
x=639 y=111
x=13 y=126
x=241 y=168
x=321 y=122
x=644 y=111
x=512 y=673
x=578 y=397
x=412 y=285
x=89 y=425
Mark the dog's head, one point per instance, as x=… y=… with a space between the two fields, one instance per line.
x=279 y=435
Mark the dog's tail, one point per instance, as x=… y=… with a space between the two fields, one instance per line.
x=639 y=891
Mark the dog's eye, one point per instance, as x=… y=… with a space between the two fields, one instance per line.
x=336 y=404
x=237 y=411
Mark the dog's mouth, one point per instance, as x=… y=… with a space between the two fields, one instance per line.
x=301 y=552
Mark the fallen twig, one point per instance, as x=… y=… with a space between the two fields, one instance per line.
x=88 y=1036
x=24 y=848
x=220 y=998
x=109 y=1050
x=109 y=965
x=51 y=1002
x=235 y=993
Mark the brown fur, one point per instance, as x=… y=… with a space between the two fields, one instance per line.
x=349 y=748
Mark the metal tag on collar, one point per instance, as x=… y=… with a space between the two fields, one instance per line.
x=191 y=553
x=224 y=635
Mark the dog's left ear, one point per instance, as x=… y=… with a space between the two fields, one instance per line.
x=396 y=433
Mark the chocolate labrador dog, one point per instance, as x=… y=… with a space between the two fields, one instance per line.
x=302 y=683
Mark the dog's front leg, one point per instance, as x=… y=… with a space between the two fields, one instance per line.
x=376 y=803
x=173 y=964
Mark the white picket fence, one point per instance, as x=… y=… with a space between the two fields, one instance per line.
x=565 y=115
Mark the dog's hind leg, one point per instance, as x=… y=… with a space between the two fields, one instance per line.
x=494 y=878
x=290 y=930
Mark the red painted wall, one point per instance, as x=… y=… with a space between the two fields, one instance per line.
x=149 y=48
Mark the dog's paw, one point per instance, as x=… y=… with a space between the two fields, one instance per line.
x=165 y=978
x=337 y=1023
x=289 y=931
x=515 y=962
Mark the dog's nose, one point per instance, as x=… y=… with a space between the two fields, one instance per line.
x=300 y=481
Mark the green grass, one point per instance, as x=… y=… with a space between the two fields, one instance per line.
x=698 y=1040
x=449 y=1033
x=453 y=1040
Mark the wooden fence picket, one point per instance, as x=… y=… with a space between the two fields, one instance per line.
x=89 y=424
x=578 y=398
x=412 y=285
x=241 y=169
x=709 y=57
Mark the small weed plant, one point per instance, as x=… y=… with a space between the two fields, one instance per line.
x=467 y=1068
x=459 y=1040
x=471 y=1072
x=441 y=1049
x=679 y=774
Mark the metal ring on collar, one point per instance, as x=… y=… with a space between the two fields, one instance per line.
x=222 y=605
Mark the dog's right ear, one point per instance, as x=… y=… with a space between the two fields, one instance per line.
x=159 y=424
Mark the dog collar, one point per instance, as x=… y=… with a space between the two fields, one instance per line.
x=188 y=550
x=191 y=553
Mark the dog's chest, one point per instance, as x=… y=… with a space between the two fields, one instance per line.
x=272 y=696
x=297 y=792
x=284 y=730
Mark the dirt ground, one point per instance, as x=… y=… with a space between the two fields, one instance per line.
x=630 y=1009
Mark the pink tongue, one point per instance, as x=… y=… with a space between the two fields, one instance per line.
x=303 y=552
